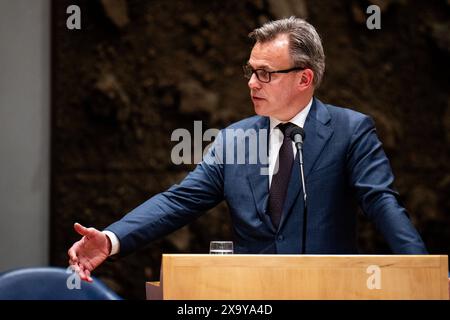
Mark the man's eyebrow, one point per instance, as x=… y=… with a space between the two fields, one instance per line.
x=261 y=66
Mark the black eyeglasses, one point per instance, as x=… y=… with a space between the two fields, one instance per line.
x=264 y=75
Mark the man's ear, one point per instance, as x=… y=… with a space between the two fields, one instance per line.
x=306 y=79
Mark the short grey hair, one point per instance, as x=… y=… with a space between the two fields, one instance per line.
x=305 y=45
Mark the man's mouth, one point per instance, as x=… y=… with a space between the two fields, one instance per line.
x=256 y=98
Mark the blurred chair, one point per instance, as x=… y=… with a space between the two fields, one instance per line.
x=50 y=283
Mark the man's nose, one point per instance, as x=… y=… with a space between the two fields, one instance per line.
x=253 y=82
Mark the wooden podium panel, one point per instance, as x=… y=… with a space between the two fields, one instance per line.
x=285 y=277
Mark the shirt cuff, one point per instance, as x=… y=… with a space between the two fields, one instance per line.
x=115 y=243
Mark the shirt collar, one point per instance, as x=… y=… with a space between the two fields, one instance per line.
x=298 y=119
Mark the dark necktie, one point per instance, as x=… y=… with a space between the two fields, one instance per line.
x=280 y=180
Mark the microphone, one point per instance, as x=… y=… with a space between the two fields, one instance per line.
x=297 y=135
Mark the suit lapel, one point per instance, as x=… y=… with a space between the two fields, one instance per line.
x=257 y=175
x=317 y=133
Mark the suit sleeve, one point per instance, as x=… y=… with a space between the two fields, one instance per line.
x=372 y=178
x=168 y=211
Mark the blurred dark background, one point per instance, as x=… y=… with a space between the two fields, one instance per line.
x=137 y=70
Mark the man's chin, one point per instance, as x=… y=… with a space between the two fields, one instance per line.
x=260 y=110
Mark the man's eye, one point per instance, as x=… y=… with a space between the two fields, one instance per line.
x=263 y=72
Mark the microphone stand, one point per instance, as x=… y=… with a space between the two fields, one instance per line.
x=299 y=145
x=297 y=134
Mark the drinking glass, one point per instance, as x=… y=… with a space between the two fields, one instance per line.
x=221 y=247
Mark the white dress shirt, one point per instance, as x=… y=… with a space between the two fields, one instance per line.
x=276 y=137
x=115 y=243
x=275 y=142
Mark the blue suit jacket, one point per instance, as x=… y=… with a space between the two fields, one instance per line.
x=344 y=163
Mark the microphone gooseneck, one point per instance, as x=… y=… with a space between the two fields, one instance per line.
x=297 y=135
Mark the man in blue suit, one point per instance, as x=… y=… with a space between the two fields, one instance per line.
x=344 y=163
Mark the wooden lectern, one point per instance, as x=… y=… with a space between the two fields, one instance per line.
x=286 y=277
